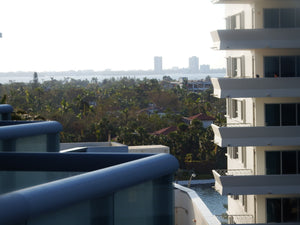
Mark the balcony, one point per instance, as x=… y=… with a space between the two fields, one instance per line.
x=242 y=184
x=256 y=38
x=256 y=87
x=242 y=135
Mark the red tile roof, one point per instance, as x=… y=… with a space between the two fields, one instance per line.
x=201 y=116
x=165 y=131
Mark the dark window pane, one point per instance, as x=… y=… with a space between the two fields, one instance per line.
x=290 y=210
x=298 y=166
x=288 y=114
x=298 y=66
x=272 y=114
x=288 y=66
x=287 y=18
x=271 y=18
x=272 y=163
x=274 y=210
x=289 y=162
x=298 y=114
x=297 y=17
x=271 y=65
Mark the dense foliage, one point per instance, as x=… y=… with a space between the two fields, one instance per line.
x=116 y=110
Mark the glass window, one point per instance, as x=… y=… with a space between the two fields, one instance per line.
x=297 y=17
x=235 y=152
x=297 y=66
x=288 y=114
x=287 y=66
x=289 y=162
x=290 y=210
x=234 y=67
x=274 y=210
x=298 y=162
x=272 y=117
x=271 y=18
x=272 y=162
x=271 y=66
x=234 y=108
x=287 y=18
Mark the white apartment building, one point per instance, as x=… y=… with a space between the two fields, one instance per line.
x=262 y=89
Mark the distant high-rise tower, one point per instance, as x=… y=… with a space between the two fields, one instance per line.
x=158 y=64
x=194 y=64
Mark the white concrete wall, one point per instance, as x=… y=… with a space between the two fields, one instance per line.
x=155 y=149
x=190 y=209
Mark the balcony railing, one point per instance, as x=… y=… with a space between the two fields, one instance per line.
x=235 y=219
x=107 y=175
x=256 y=87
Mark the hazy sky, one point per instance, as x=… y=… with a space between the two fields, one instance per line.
x=48 y=35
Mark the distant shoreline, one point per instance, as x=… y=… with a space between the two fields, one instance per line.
x=27 y=77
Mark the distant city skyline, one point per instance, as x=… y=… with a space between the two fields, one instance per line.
x=62 y=35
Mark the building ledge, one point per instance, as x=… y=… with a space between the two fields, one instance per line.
x=256 y=184
x=256 y=38
x=256 y=136
x=256 y=87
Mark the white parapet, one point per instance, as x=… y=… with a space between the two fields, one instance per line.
x=190 y=209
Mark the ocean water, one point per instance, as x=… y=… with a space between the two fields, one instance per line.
x=27 y=78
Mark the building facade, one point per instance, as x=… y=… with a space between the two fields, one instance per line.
x=262 y=91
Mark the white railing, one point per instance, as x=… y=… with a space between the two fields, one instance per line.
x=235 y=219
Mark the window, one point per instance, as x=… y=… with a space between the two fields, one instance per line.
x=282 y=114
x=236 y=109
x=273 y=165
x=283 y=210
x=282 y=66
x=235 y=21
x=244 y=157
x=271 y=65
x=289 y=162
x=282 y=18
x=287 y=18
x=236 y=66
x=235 y=197
x=272 y=117
x=233 y=152
x=282 y=162
x=244 y=202
x=271 y=18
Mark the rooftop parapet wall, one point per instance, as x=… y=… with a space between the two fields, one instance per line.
x=30 y=136
x=28 y=204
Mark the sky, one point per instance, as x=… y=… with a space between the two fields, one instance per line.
x=61 y=35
